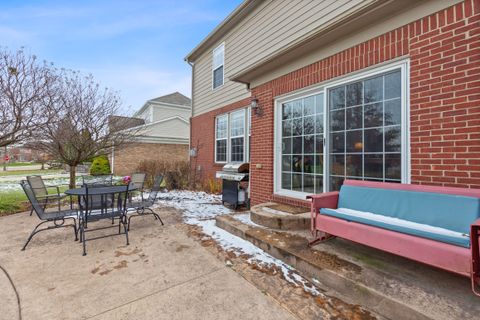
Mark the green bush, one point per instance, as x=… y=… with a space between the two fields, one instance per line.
x=100 y=166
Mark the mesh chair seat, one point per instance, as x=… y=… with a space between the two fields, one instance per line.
x=55 y=215
x=143 y=207
x=139 y=204
x=98 y=215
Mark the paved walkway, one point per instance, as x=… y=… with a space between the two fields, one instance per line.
x=163 y=274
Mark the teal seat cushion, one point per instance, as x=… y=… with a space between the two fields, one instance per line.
x=399 y=225
x=451 y=212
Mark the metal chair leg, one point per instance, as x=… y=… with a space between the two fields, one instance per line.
x=125 y=229
x=143 y=213
x=75 y=229
x=82 y=235
x=34 y=232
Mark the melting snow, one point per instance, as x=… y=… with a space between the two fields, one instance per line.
x=200 y=209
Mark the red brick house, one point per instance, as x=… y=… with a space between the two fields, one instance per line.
x=373 y=90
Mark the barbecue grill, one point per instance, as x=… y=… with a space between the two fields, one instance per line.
x=235 y=177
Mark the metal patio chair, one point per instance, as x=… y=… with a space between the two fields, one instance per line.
x=138 y=180
x=142 y=208
x=57 y=218
x=89 y=214
x=98 y=202
x=41 y=192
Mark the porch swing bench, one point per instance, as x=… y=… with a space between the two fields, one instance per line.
x=438 y=226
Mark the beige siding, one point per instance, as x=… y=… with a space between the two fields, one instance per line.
x=165 y=112
x=277 y=24
x=273 y=25
x=171 y=128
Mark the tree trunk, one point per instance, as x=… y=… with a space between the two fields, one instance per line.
x=72 y=177
x=43 y=166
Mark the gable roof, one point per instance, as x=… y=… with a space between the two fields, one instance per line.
x=173 y=98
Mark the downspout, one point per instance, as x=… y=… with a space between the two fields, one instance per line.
x=191 y=109
x=192 y=65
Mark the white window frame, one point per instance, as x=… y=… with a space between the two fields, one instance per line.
x=246 y=135
x=225 y=138
x=231 y=114
x=221 y=48
x=402 y=64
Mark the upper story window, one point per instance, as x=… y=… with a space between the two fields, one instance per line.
x=217 y=66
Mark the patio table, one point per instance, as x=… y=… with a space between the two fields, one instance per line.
x=99 y=191
x=107 y=211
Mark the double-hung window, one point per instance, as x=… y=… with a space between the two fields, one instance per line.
x=232 y=136
x=350 y=129
x=218 y=62
x=237 y=135
x=221 y=138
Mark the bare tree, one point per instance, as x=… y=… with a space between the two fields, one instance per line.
x=81 y=128
x=26 y=87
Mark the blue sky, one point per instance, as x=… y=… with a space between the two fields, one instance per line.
x=135 y=47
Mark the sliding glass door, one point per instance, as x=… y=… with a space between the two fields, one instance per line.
x=357 y=128
x=365 y=130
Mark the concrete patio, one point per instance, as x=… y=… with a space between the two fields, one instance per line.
x=163 y=274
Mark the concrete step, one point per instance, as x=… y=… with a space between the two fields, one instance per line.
x=389 y=285
x=265 y=215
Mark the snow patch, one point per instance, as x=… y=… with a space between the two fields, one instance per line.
x=200 y=209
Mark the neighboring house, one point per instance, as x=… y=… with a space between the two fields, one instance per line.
x=161 y=133
x=374 y=90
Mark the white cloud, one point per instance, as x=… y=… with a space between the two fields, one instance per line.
x=138 y=83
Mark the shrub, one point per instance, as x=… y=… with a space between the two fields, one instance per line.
x=175 y=174
x=212 y=186
x=100 y=166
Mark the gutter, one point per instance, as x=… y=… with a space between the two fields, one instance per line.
x=229 y=22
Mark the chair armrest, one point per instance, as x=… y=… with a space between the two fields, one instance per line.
x=475 y=250
x=322 y=200
x=476 y=223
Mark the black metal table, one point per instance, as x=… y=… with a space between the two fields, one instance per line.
x=97 y=191
x=104 y=192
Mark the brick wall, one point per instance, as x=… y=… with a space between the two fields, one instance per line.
x=128 y=157
x=444 y=52
x=202 y=137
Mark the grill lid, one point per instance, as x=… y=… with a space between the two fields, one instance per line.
x=231 y=176
x=237 y=167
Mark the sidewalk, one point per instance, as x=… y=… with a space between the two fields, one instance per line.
x=163 y=274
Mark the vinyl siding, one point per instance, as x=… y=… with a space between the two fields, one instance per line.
x=173 y=128
x=273 y=25
x=165 y=112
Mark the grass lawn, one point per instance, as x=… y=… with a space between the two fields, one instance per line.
x=16 y=201
x=28 y=172
x=22 y=164
x=12 y=201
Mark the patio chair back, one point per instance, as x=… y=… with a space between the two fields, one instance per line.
x=93 y=202
x=101 y=180
x=37 y=185
x=138 y=180
x=37 y=207
x=155 y=189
